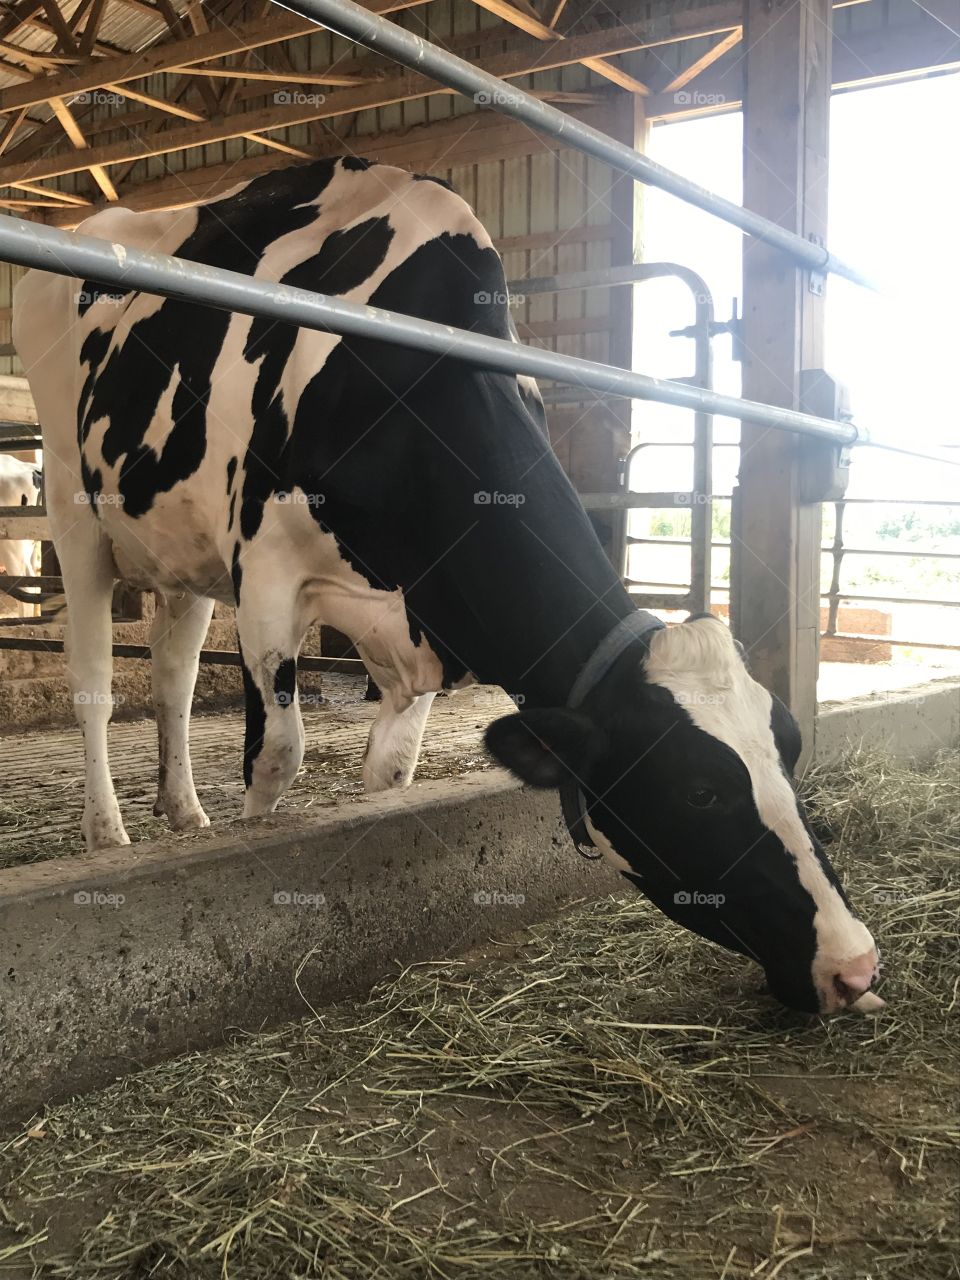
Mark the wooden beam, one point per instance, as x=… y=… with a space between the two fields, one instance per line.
x=775 y=536
x=59 y=24
x=159 y=104
x=707 y=59
x=89 y=37
x=428 y=148
x=10 y=127
x=74 y=133
x=400 y=88
x=526 y=19
x=276 y=77
x=610 y=71
x=557 y=12
x=274 y=144
x=370 y=69
x=218 y=43
x=882 y=56
x=51 y=193
x=474 y=44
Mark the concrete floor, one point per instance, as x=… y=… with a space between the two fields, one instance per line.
x=42 y=770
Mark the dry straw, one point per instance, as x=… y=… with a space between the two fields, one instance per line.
x=604 y=1096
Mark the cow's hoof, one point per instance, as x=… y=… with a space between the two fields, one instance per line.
x=191 y=820
x=101 y=833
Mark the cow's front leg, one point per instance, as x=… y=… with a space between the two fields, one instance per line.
x=273 y=743
x=394 y=742
x=176 y=638
x=87 y=567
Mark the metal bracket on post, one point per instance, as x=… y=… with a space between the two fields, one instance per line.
x=825 y=467
x=816 y=279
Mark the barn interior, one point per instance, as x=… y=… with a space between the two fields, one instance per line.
x=548 y=1090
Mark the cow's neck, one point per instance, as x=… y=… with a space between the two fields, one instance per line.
x=528 y=593
x=549 y=641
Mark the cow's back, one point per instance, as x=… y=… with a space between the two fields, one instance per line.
x=169 y=418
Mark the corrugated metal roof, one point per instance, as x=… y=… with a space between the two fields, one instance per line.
x=124 y=27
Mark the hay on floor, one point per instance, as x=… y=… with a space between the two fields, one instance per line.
x=602 y=1096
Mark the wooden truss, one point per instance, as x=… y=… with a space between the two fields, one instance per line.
x=199 y=74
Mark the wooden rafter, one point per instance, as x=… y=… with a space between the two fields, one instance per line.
x=229 y=91
x=610 y=71
x=10 y=127
x=159 y=104
x=94 y=18
x=67 y=41
x=557 y=12
x=59 y=24
x=51 y=193
x=522 y=14
x=173 y=55
x=341 y=80
x=466 y=138
x=75 y=21
x=706 y=60
x=399 y=88
x=75 y=134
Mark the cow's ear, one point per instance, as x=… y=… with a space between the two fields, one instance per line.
x=786 y=733
x=545 y=747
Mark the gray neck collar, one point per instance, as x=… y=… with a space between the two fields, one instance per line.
x=636 y=626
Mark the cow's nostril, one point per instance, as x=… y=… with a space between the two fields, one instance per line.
x=850 y=987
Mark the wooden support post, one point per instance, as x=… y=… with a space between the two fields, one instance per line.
x=776 y=530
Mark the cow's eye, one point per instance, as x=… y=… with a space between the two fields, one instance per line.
x=701 y=798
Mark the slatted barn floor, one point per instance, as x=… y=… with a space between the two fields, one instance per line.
x=41 y=797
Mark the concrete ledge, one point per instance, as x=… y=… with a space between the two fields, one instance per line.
x=910 y=724
x=110 y=962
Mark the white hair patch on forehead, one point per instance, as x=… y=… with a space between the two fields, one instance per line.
x=699 y=664
x=702 y=645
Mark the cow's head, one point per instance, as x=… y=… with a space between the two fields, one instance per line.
x=684 y=762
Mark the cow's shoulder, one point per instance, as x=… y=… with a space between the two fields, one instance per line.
x=160 y=230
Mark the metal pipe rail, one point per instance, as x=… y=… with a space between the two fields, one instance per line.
x=210 y=657
x=355 y=23
x=66 y=253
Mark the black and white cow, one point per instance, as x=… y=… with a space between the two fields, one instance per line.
x=413 y=503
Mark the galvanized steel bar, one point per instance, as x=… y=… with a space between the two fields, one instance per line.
x=358 y=24
x=66 y=253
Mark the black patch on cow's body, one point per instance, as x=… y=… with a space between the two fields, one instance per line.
x=285 y=683
x=261 y=476
x=344 y=260
x=399 y=458
x=231 y=514
x=93 y=350
x=236 y=572
x=92 y=291
x=185 y=340
x=428 y=177
x=256 y=722
x=231 y=473
x=357 y=163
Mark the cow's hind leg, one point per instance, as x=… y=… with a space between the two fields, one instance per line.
x=271 y=630
x=176 y=637
x=87 y=567
x=394 y=742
